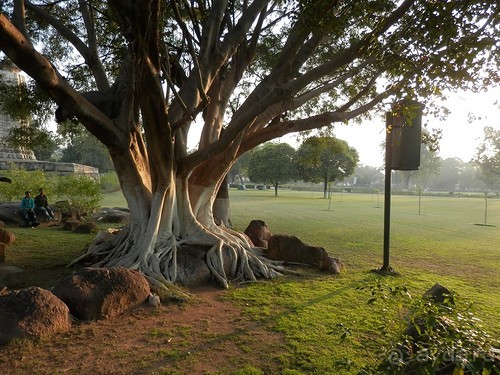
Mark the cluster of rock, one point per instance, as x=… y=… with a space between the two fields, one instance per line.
x=290 y=249
x=6 y=238
x=95 y=293
x=90 y=294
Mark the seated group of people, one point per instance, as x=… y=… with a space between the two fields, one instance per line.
x=30 y=207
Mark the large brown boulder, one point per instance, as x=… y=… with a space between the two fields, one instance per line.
x=192 y=268
x=258 y=232
x=71 y=224
x=291 y=249
x=31 y=313
x=10 y=215
x=114 y=215
x=7 y=237
x=100 y=293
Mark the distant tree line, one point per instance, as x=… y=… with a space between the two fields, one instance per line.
x=318 y=159
x=327 y=160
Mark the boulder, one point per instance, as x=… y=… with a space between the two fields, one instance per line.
x=258 y=232
x=192 y=268
x=9 y=275
x=86 y=228
x=100 y=293
x=31 y=313
x=439 y=293
x=114 y=215
x=71 y=224
x=291 y=249
x=331 y=265
x=7 y=237
x=10 y=215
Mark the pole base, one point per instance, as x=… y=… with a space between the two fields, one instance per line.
x=386 y=271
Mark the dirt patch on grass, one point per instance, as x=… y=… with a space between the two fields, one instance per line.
x=206 y=335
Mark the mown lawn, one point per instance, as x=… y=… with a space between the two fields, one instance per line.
x=442 y=244
x=328 y=324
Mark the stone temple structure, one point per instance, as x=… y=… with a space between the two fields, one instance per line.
x=11 y=76
x=26 y=158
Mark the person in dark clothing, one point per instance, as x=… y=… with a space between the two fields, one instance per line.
x=42 y=205
x=28 y=210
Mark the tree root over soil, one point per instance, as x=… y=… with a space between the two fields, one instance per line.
x=229 y=256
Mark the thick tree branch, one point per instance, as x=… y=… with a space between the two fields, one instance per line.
x=18 y=16
x=91 y=57
x=310 y=123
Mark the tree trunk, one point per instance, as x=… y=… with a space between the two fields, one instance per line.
x=276 y=189
x=325 y=188
x=221 y=208
x=169 y=216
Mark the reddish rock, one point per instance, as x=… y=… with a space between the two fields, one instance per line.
x=258 y=232
x=290 y=249
x=86 y=228
x=31 y=313
x=7 y=237
x=100 y=293
x=71 y=224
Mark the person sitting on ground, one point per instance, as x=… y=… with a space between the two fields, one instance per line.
x=28 y=210
x=42 y=205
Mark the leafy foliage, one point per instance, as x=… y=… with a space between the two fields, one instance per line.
x=109 y=182
x=272 y=163
x=326 y=159
x=23 y=180
x=81 y=194
x=86 y=149
x=488 y=156
x=27 y=104
x=438 y=336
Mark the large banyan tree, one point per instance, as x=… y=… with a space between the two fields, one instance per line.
x=139 y=74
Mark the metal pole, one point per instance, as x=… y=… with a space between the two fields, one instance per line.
x=387 y=198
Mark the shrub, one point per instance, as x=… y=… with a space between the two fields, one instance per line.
x=437 y=337
x=81 y=194
x=109 y=182
x=23 y=180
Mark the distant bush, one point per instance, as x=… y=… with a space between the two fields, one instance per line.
x=109 y=182
x=23 y=180
x=81 y=194
x=436 y=337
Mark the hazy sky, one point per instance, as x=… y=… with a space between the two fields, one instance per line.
x=460 y=138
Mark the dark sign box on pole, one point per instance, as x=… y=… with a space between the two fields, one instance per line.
x=406 y=135
x=402 y=152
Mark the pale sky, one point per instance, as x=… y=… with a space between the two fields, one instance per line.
x=459 y=138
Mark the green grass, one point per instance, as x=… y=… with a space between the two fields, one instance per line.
x=313 y=310
x=442 y=244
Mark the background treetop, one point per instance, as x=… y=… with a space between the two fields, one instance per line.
x=301 y=65
x=139 y=74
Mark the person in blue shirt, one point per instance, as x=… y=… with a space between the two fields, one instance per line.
x=28 y=210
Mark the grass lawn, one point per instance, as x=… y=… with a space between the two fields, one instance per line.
x=442 y=244
x=327 y=322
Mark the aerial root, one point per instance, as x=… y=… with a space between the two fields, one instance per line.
x=216 y=264
x=247 y=263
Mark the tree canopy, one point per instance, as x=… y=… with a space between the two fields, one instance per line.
x=326 y=159
x=139 y=74
x=272 y=163
x=488 y=156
